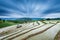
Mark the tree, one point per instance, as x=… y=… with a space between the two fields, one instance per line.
x=0 y=19
x=27 y=20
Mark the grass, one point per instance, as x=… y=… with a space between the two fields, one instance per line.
x=9 y=23
x=5 y=24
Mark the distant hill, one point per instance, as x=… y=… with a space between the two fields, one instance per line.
x=30 y=18
x=21 y=18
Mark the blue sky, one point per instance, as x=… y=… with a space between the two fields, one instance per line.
x=30 y=8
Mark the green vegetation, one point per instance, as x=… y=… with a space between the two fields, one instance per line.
x=22 y=20
x=5 y=24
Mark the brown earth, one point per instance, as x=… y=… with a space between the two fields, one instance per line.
x=57 y=37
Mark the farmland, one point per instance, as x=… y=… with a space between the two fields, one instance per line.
x=43 y=30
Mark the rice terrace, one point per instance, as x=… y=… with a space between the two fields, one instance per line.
x=33 y=29
x=29 y=19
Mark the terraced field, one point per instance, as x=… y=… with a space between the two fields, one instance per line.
x=33 y=31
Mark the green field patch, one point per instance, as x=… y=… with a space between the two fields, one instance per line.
x=5 y=24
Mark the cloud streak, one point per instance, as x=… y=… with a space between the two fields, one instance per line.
x=30 y=8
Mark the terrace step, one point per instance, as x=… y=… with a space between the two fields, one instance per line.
x=32 y=31
x=22 y=29
x=47 y=35
x=22 y=37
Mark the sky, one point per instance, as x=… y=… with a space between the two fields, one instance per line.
x=30 y=8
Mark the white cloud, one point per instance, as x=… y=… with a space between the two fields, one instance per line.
x=15 y=15
x=12 y=15
x=4 y=17
x=38 y=10
x=52 y=15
